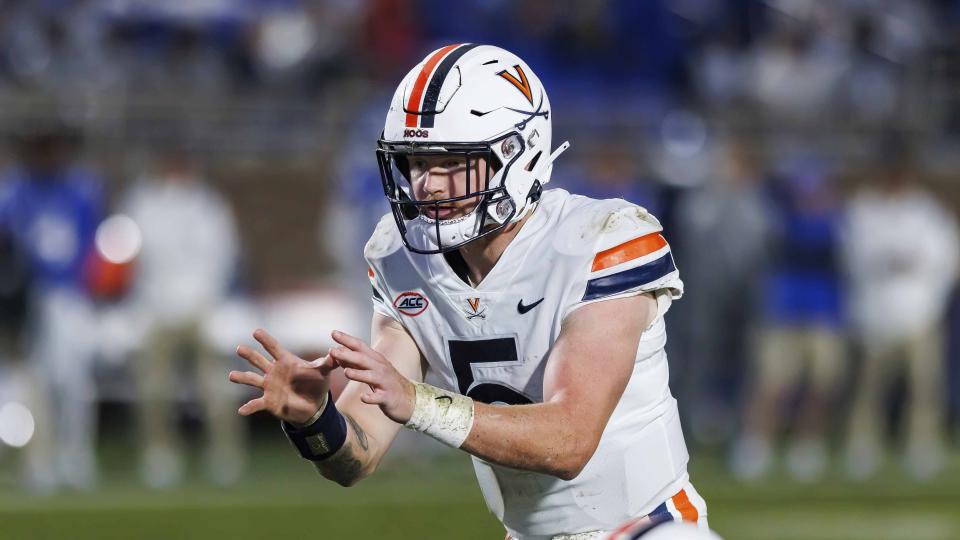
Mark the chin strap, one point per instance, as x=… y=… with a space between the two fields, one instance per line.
x=536 y=190
x=547 y=163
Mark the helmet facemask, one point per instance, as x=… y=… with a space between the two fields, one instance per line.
x=420 y=222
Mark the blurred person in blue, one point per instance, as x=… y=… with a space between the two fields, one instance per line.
x=801 y=342
x=353 y=202
x=610 y=169
x=184 y=272
x=724 y=234
x=901 y=250
x=51 y=207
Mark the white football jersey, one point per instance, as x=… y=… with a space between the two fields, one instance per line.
x=492 y=342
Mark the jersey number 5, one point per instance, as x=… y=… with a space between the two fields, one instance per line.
x=465 y=353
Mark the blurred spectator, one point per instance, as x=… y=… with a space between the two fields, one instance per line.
x=391 y=37
x=357 y=200
x=793 y=77
x=14 y=285
x=55 y=46
x=721 y=70
x=902 y=252
x=800 y=345
x=50 y=208
x=184 y=273
x=872 y=83
x=724 y=229
x=611 y=168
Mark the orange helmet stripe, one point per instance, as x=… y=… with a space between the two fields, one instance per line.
x=413 y=104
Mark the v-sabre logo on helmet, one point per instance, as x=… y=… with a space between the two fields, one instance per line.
x=521 y=83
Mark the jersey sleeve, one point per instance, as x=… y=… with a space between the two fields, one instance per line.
x=382 y=243
x=380 y=303
x=630 y=256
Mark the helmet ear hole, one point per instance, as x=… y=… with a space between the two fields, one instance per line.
x=533 y=162
x=403 y=166
x=536 y=190
x=495 y=163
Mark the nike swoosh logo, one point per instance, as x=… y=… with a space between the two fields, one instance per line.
x=523 y=309
x=448 y=398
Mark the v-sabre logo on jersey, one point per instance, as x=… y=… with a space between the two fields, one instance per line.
x=476 y=310
x=411 y=303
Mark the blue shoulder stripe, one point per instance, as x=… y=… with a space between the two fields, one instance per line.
x=629 y=279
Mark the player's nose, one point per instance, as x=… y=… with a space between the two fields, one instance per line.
x=437 y=182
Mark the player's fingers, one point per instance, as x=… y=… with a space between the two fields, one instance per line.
x=351 y=342
x=256 y=359
x=348 y=358
x=269 y=343
x=247 y=377
x=371 y=398
x=325 y=364
x=363 y=376
x=252 y=406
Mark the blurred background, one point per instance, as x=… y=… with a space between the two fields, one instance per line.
x=175 y=174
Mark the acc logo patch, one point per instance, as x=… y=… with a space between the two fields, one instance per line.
x=411 y=303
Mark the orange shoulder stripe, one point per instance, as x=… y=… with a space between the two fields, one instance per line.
x=686 y=508
x=627 y=251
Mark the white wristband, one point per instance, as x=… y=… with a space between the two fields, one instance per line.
x=445 y=416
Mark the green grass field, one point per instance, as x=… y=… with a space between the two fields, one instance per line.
x=281 y=497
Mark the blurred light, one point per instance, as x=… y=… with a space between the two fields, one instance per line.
x=118 y=239
x=16 y=424
x=285 y=40
x=683 y=133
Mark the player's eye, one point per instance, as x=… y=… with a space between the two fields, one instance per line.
x=419 y=165
x=453 y=163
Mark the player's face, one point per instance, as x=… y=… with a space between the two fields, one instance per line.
x=438 y=177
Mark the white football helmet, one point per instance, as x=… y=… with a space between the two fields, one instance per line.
x=471 y=101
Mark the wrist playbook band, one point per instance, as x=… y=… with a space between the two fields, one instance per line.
x=443 y=415
x=322 y=437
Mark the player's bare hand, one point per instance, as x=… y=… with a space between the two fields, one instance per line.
x=293 y=388
x=388 y=388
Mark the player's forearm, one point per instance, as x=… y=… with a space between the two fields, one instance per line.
x=548 y=438
x=354 y=461
x=339 y=443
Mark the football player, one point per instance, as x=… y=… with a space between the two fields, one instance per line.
x=521 y=325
